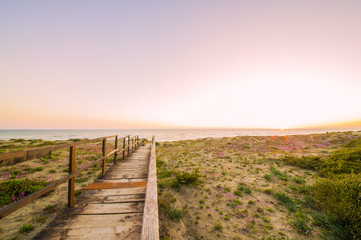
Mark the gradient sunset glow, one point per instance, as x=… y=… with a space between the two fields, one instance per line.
x=164 y=64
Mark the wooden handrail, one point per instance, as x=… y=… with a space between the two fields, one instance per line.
x=7 y=159
x=72 y=173
x=150 y=228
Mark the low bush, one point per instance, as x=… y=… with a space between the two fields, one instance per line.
x=279 y=174
x=341 y=198
x=175 y=214
x=345 y=160
x=185 y=178
x=306 y=162
x=12 y=189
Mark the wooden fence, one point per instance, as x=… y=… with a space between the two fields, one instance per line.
x=6 y=159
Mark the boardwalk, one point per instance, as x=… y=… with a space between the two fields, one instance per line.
x=110 y=208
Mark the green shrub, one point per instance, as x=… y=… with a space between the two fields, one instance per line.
x=306 y=162
x=279 y=174
x=175 y=214
x=346 y=160
x=185 y=178
x=353 y=143
x=18 y=187
x=341 y=198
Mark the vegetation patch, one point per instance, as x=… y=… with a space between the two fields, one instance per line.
x=15 y=189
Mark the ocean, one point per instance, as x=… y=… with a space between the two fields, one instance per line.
x=160 y=134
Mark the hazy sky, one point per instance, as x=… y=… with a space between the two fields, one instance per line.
x=130 y=64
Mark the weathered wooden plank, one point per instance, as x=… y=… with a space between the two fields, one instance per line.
x=115 y=180
x=113 y=185
x=113 y=198
x=150 y=228
x=119 y=191
x=128 y=176
x=115 y=208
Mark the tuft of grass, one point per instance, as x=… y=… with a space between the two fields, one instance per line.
x=268 y=177
x=26 y=228
x=49 y=208
x=41 y=219
x=175 y=214
x=279 y=174
x=332 y=224
x=287 y=200
x=298 y=180
x=78 y=192
x=244 y=188
x=218 y=227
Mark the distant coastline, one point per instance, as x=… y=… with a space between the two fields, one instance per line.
x=161 y=134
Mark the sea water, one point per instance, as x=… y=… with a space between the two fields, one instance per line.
x=160 y=134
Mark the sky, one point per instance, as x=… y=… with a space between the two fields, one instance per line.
x=179 y=64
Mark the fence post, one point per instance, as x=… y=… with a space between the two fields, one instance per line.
x=132 y=144
x=104 y=149
x=115 y=147
x=71 y=181
x=128 y=144
x=123 y=148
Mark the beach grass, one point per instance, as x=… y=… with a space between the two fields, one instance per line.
x=263 y=187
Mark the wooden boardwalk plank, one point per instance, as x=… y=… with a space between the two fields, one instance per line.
x=110 y=208
x=114 y=185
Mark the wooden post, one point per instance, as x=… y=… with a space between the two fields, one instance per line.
x=104 y=149
x=115 y=147
x=123 y=148
x=132 y=144
x=71 y=182
x=128 y=143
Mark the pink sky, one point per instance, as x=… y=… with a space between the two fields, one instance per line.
x=140 y=64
